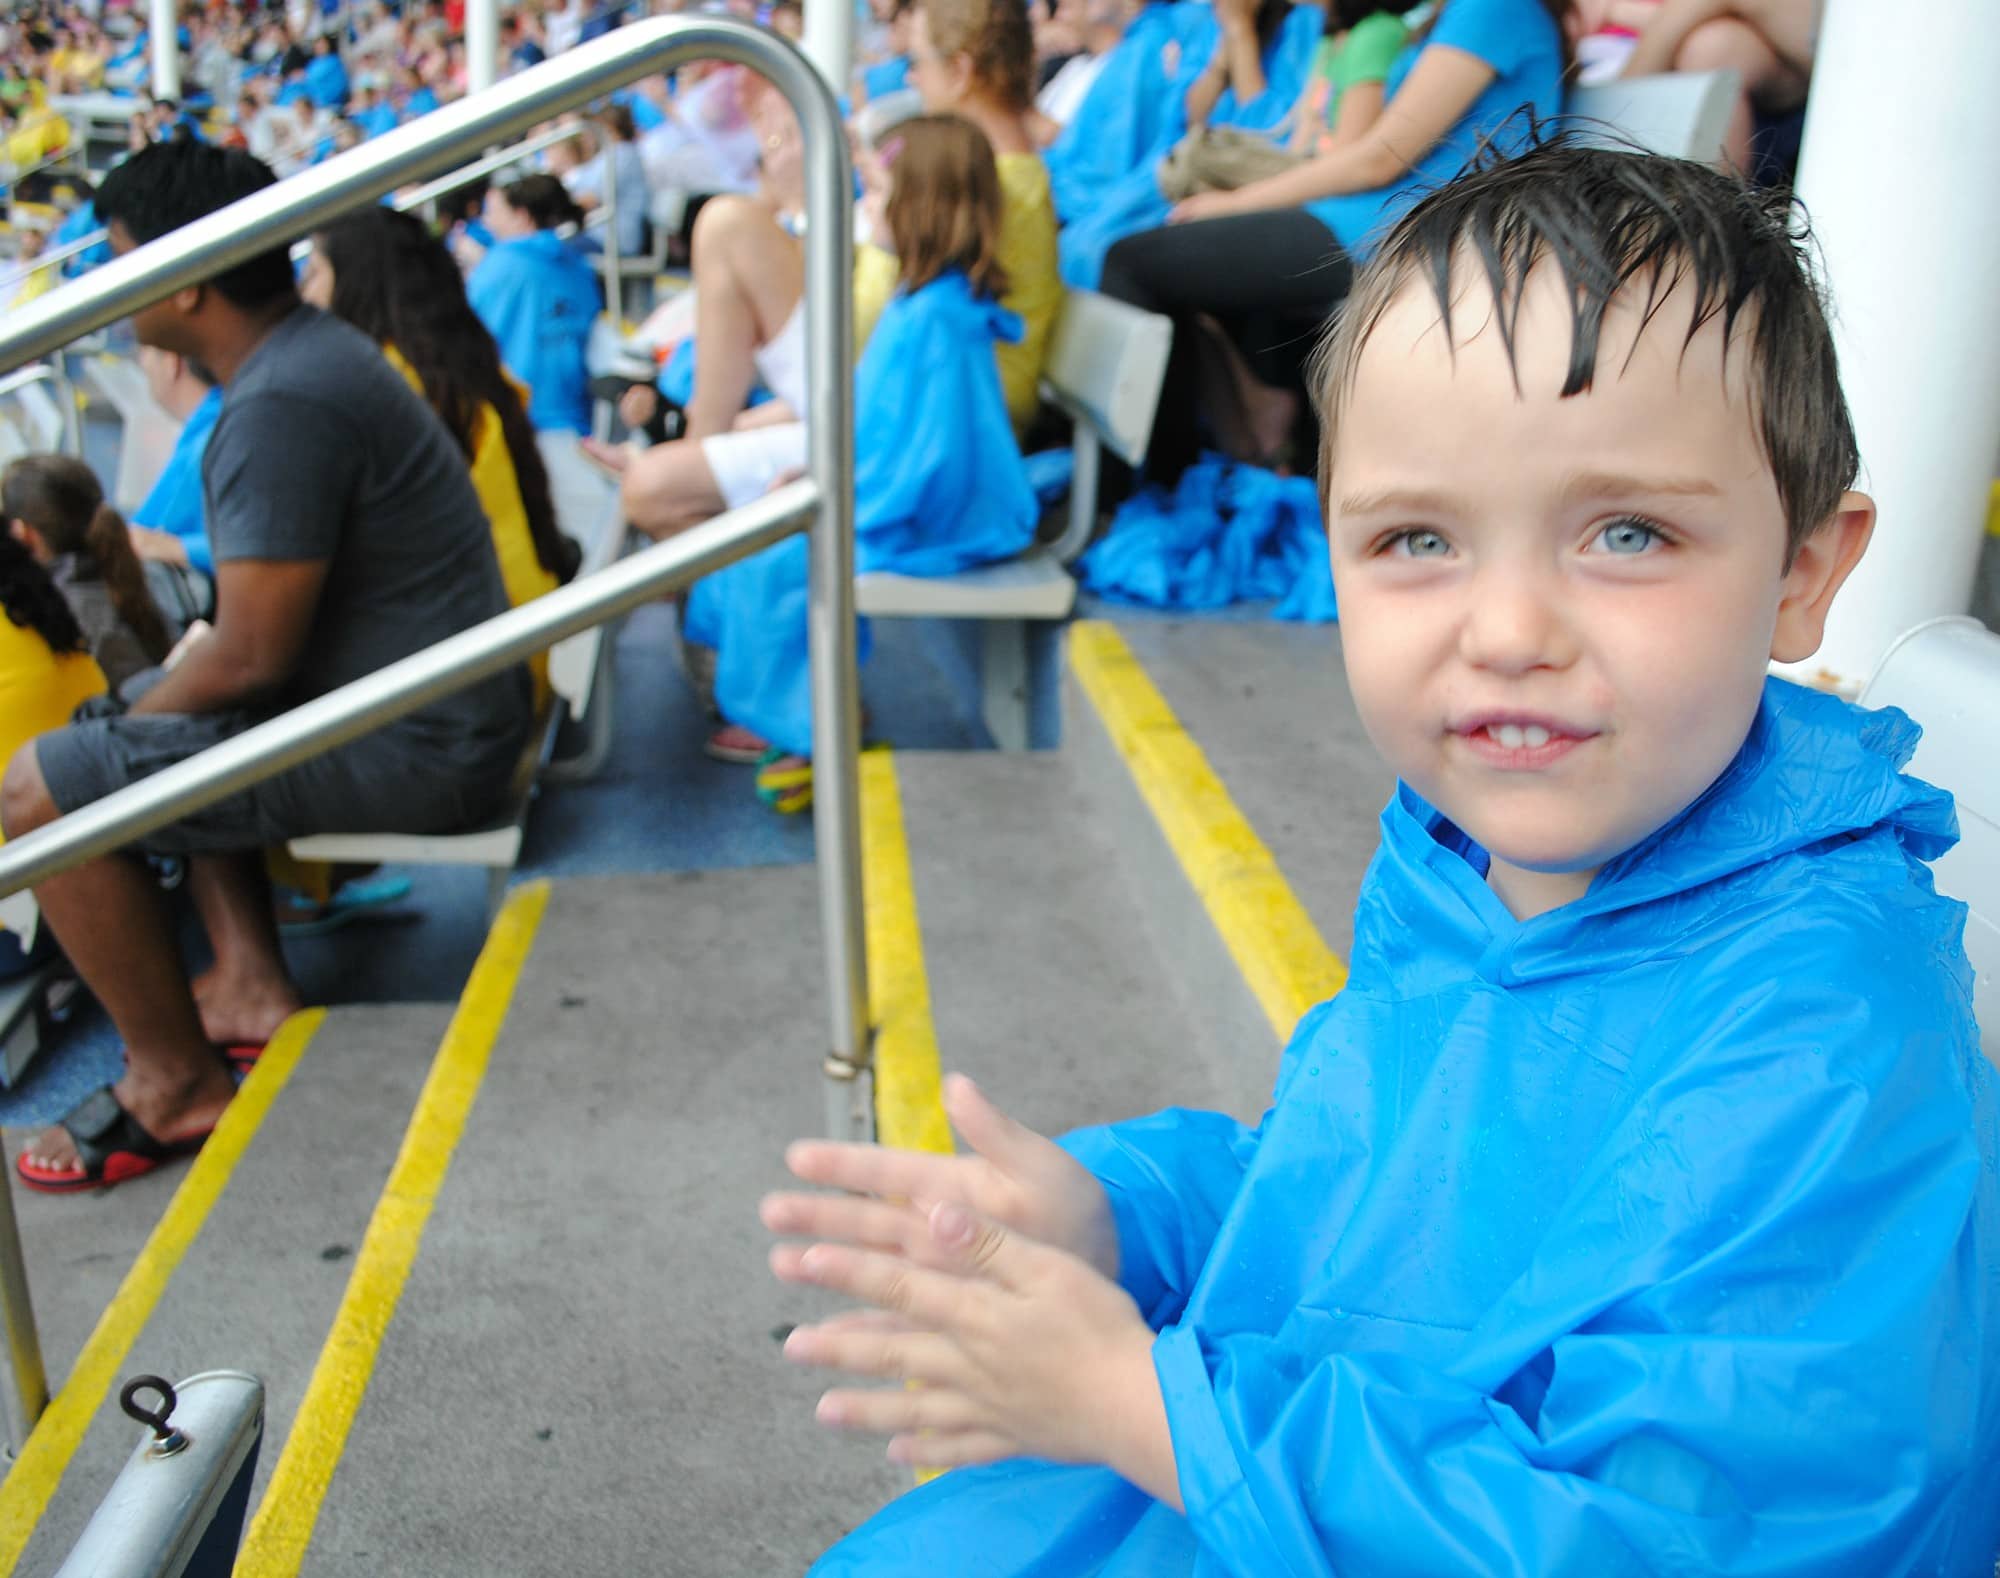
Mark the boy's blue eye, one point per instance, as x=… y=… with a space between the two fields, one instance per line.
x=1629 y=536
x=1417 y=543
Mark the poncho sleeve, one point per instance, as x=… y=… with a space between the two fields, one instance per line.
x=1170 y=1178
x=1749 y=1343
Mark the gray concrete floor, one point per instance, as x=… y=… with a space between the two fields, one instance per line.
x=1269 y=705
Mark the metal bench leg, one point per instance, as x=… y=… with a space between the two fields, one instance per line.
x=1004 y=699
x=585 y=764
x=25 y=1383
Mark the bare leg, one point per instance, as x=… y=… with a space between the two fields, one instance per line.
x=1728 y=43
x=249 y=991
x=748 y=276
x=112 y=922
x=669 y=488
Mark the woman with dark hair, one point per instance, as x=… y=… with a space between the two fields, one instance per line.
x=539 y=298
x=391 y=278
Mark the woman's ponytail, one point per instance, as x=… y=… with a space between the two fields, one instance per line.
x=108 y=545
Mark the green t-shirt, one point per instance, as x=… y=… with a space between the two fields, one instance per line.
x=1364 y=53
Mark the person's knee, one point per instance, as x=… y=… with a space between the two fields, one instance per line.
x=24 y=796
x=728 y=225
x=1727 y=43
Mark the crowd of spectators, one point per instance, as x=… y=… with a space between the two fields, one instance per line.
x=1226 y=164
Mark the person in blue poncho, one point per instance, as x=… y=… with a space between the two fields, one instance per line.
x=1236 y=64
x=538 y=297
x=938 y=480
x=1635 y=1207
x=170 y=526
x=326 y=75
x=1273 y=258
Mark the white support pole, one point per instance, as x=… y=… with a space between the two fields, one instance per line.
x=829 y=40
x=482 y=43
x=1899 y=174
x=164 y=26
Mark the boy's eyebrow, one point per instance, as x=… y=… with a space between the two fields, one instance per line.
x=1577 y=485
x=1600 y=484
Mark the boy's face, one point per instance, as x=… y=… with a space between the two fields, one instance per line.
x=1556 y=614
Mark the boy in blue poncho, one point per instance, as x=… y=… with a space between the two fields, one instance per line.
x=1634 y=1207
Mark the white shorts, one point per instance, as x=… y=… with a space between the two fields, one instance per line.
x=746 y=464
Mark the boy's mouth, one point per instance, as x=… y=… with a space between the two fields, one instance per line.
x=1517 y=742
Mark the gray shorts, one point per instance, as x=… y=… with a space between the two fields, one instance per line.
x=398 y=779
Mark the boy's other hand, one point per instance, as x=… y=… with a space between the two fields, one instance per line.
x=1021 y=1350
x=1014 y=1176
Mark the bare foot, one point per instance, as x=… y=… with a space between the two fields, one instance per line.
x=242 y=1014
x=614 y=458
x=169 y=1111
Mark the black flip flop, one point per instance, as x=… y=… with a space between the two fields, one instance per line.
x=112 y=1146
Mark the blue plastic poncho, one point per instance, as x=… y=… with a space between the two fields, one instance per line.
x=1127 y=115
x=1134 y=202
x=1228 y=533
x=82 y=221
x=1659 y=1234
x=326 y=81
x=539 y=298
x=175 y=503
x=938 y=487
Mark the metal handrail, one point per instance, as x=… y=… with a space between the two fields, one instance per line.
x=446 y=139
x=71 y=249
x=431 y=191
x=65 y=398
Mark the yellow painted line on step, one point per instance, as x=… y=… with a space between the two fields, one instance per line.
x=39 y=1469
x=909 y=1086
x=1267 y=931
x=276 y=1542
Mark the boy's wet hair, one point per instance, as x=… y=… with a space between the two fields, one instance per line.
x=1615 y=222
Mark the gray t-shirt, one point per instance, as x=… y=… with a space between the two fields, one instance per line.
x=324 y=451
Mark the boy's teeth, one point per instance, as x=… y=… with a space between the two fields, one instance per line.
x=1534 y=736
x=1509 y=736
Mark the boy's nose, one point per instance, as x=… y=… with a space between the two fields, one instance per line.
x=1512 y=626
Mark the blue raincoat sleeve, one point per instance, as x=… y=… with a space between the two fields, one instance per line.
x=1170 y=1178
x=1124 y=115
x=539 y=299
x=1771 y=1252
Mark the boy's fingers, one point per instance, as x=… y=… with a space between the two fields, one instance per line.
x=890 y=1355
x=898 y=1410
x=984 y=1127
x=868 y=1169
x=971 y=1242
x=878 y=1321
x=951 y=1448
x=931 y=1299
x=873 y=1224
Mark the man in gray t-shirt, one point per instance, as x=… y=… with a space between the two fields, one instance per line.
x=346 y=535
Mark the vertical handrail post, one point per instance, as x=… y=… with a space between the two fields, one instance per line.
x=26 y=1382
x=829 y=260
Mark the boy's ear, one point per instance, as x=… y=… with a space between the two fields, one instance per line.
x=1824 y=561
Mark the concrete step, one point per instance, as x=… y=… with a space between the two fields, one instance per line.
x=256 y=1288
x=583 y=1370
x=1268 y=703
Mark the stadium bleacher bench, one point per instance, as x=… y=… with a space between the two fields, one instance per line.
x=1106 y=363
x=1682 y=114
x=580 y=682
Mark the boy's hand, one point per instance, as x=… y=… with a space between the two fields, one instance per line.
x=1021 y=1349
x=1014 y=1176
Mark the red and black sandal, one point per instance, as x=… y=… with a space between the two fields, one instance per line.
x=110 y=1144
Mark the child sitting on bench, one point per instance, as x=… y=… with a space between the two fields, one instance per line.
x=1633 y=1209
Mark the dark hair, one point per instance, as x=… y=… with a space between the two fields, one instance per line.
x=166 y=185
x=1352 y=13
x=62 y=499
x=34 y=602
x=944 y=203
x=396 y=282
x=617 y=120
x=1614 y=222
x=543 y=199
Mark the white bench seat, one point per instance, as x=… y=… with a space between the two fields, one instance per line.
x=1033 y=586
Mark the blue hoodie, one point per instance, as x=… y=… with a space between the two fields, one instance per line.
x=938 y=488
x=1657 y=1234
x=539 y=300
